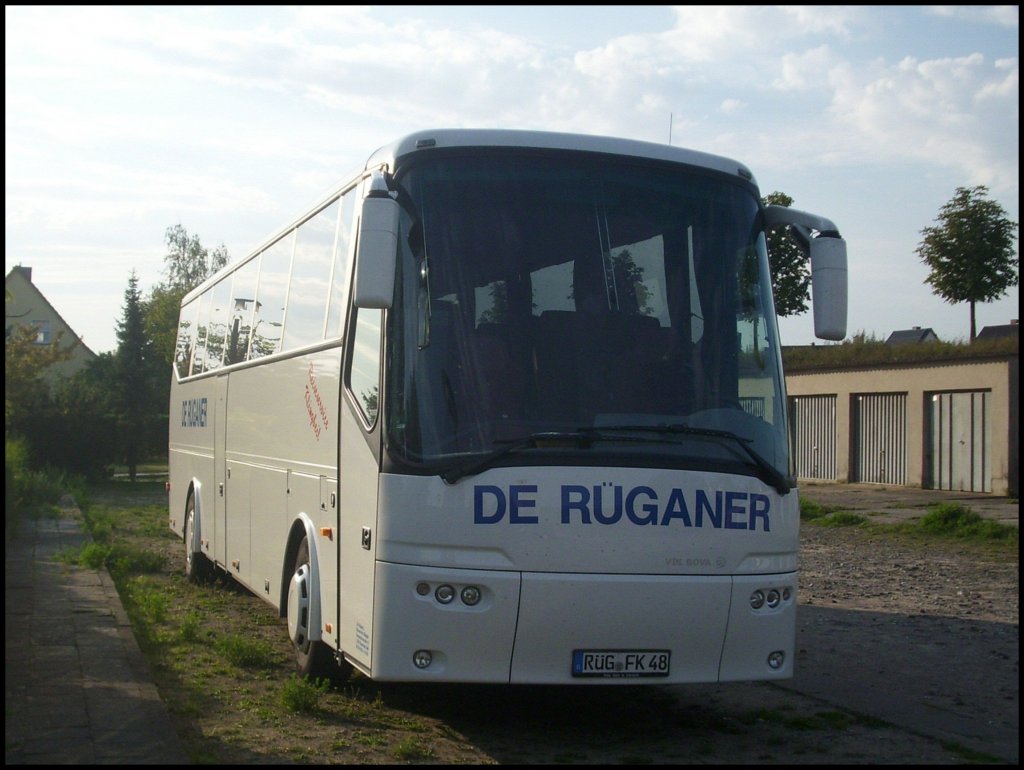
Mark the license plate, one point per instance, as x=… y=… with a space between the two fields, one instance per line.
x=620 y=663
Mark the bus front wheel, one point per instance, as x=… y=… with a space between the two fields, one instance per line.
x=312 y=656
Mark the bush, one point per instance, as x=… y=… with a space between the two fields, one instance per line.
x=30 y=491
x=303 y=695
x=956 y=520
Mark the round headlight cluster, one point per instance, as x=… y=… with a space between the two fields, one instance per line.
x=445 y=593
x=770 y=597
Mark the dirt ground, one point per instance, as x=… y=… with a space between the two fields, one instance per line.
x=905 y=655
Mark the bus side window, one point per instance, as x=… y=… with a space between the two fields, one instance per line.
x=242 y=307
x=202 y=330
x=364 y=369
x=270 y=298
x=310 y=279
x=186 y=338
x=217 y=332
x=340 y=273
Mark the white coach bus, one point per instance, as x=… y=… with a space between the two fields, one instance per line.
x=506 y=406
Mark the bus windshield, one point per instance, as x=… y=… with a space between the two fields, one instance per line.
x=542 y=293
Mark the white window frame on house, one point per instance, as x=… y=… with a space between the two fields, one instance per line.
x=42 y=332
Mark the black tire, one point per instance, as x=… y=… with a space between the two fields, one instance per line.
x=197 y=567
x=313 y=658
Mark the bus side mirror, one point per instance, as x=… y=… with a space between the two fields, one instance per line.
x=376 y=247
x=828 y=287
x=827 y=251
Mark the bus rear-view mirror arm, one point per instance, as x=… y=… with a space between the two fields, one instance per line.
x=820 y=238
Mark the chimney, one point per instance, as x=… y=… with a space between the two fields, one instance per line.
x=25 y=271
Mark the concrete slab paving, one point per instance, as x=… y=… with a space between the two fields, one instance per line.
x=77 y=689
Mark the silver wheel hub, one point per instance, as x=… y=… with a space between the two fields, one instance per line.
x=298 y=607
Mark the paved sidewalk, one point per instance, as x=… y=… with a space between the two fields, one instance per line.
x=77 y=689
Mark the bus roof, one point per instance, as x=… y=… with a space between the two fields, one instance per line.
x=466 y=137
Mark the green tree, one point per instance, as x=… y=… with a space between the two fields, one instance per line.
x=25 y=361
x=187 y=264
x=970 y=251
x=136 y=378
x=82 y=435
x=791 y=274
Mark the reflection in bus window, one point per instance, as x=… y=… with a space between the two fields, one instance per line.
x=365 y=375
x=311 y=272
x=186 y=338
x=202 y=325
x=339 y=280
x=270 y=297
x=242 y=307
x=217 y=333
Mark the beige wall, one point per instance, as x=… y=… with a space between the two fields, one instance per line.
x=918 y=382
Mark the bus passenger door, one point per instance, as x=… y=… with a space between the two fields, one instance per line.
x=220 y=426
x=358 y=471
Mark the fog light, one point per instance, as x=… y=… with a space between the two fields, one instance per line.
x=773 y=598
x=757 y=599
x=470 y=595
x=421 y=658
x=444 y=593
x=776 y=659
x=423 y=589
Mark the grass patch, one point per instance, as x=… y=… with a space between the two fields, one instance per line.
x=302 y=695
x=842 y=519
x=942 y=522
x=411 y=749
x=810 y=510
x=957 y=521
x=245 y=652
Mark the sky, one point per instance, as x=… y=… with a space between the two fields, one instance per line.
x=232 y=121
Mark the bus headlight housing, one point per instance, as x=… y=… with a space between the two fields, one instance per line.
x=444 y=593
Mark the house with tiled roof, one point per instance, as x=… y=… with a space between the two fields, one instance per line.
x=25 y=305
x=913 y=336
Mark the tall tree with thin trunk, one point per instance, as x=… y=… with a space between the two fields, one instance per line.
x=135 y=377
x=970 y=251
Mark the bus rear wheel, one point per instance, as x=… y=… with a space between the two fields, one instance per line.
x=197 y=566
x=312 y=657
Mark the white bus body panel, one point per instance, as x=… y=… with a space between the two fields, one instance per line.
x=280 y=462
x=555 y=579
x=284 y=453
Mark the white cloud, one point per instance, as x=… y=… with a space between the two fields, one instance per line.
x=800 y=71
x=1001 y=15
x=955 y=112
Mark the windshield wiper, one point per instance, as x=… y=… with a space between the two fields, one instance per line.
x=580 y=439
x=583 y=438
x=532 y=441
x=782 y=483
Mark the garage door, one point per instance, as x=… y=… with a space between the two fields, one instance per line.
x=959 y=441
x=813 y=436
x=880 y=438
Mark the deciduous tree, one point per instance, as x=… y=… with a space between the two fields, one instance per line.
x=970 y=251
x=791 y=273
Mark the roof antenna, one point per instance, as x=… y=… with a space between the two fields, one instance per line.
x=670 y=128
